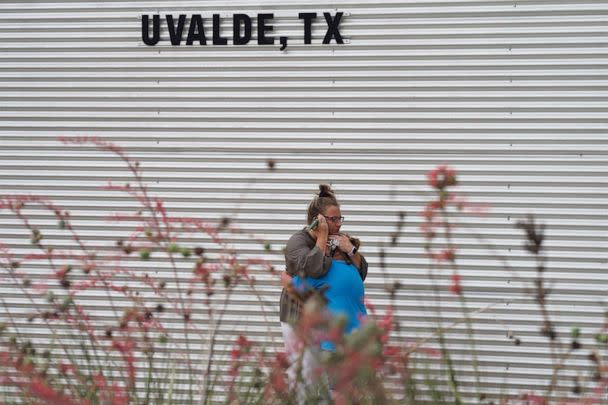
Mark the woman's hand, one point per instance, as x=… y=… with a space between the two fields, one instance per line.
x=344 y=243
x=286 y=282
x=322 y=228
x=346 y=246
x=320 y=234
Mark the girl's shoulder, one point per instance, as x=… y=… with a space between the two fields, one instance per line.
x=340 y=264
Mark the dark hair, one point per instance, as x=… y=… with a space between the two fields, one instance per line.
x=325 y=198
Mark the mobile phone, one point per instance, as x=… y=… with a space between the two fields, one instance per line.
x=313 y=224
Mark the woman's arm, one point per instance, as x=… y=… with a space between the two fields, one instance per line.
x=302 y=259
x=362 y=267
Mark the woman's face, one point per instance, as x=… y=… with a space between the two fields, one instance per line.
x=332 y=215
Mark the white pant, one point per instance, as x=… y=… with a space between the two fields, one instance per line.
x=294 y=350
x=303 y=363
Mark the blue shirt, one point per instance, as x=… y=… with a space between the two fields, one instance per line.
x=344 y=295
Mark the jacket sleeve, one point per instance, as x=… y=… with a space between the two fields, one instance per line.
x=363 y=269
x=301 y=259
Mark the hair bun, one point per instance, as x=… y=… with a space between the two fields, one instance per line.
x=325 y=191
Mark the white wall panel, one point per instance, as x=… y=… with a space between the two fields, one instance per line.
x=513 y=94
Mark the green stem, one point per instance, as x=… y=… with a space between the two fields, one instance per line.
x=149 y=378
x=463 y=306
x=444 y=350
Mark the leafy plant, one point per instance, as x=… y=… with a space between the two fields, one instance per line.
x=137 y=354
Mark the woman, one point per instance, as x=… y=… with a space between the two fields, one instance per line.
x=308 y=255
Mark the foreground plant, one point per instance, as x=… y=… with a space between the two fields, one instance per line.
x=94 y=360
x=178 y=276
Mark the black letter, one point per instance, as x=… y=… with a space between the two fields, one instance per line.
x=196 y=25
x=217 y=39
x=263 y=28
x=236 y=29
x=332 y=28
x=283 y=41
x=307 y=17
x=176 y=35
x=145 y=33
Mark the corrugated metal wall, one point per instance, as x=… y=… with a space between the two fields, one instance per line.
x=513 y=94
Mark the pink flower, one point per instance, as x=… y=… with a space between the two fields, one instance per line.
x=431 y=352
x=282 y=361
x=370 y=306
x=455 y=287
x=391 y=351
x=429 y=211
x=235 y=354
x=65 y=367
x=441 y=177
x=335 y=334
x=446 y=255
x=278 y=382
x=243 y=343
x=39 y=388
x=99 y=381
x=126 y=349
x=61 y=273
x=427 y=229
x=41 y=288
x=340 y=399
x=533 y=399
